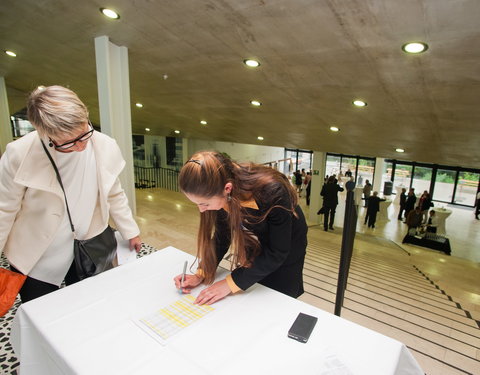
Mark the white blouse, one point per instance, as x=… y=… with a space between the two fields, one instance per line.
x=78 y=171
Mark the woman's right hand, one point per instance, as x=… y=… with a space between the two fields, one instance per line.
x=190 y=282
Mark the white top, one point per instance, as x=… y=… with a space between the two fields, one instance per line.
x=78 y=171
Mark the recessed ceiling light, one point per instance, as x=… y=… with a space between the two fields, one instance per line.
x=260 y=138
x=10 y=53
x=203 y=122
x=359 y=103
x=147 y=129
x=415 y=47
x=334 y=129
x=256 y=103
x=399 y=150
x=177 y=131
x=251 y=63
x=139 y=105
x=110 y=13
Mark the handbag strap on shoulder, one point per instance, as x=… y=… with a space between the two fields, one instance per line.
x=59 y=179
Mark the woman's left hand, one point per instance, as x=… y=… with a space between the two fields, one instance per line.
x=213 y=293
x=135 y=243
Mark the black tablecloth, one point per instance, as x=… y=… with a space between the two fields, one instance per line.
x=430 y=240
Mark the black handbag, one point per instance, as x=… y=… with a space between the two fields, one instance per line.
x=94 y=255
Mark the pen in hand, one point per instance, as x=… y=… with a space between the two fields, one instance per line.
x=183 y=275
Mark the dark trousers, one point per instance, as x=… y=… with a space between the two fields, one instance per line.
x=33 y=288
x=372 y=218
x=477 y=210
x=329 y=213
x=402 y=210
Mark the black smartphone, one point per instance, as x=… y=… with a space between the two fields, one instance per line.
x=302 y=327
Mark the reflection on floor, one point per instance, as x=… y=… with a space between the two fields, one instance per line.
x=424 y=298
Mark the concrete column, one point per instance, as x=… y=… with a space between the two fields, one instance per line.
x=319 y=160
x=5 y=124
x=377 y=175
x=114 y=104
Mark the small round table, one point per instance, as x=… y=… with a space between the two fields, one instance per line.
x=442 y=214
x=383 y=213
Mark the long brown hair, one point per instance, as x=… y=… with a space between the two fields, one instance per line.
x=205 y=174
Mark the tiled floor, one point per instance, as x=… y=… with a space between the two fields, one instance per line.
x=424 y=298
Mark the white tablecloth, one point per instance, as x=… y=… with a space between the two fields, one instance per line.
x=383 y=213
x=442 y=214
x=88 y=328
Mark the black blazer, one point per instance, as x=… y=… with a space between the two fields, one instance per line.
x=330 y=194
x=283 y=242
x=374 y=204
x=410 y=203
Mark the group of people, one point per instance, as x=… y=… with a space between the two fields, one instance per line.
x=417 y=215
x=248 y=208
x=303 y=180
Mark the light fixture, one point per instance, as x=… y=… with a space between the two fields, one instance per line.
x=334 y=129
x=399 y=150
x=177 y=131
x=147 y=129
x=359 y=103
x=139 y=105
x=203 y=122
x=10 y=53
x=256 y=103
x=110 y=13
x=260 y=138
x=251 y=63
x=415 y=47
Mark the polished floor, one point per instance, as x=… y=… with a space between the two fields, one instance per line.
x=424 y=298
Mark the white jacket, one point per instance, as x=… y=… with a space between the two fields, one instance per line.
x=32 y=205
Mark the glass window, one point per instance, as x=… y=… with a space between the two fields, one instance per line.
x=386 y=175
x=333 y=165
x=403 y=176
x=348 y=164
x=366 y=167
x=304 y=161
x=444 y=184
x=422 y=176
x=467 y=187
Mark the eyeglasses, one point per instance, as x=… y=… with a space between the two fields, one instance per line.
x=83 y=138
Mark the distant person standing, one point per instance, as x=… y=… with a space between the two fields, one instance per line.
x=410 y=202
x=477 y=209
x=308 y=185
x=425 y=203
x=330 y=201
x=372 y=209
x=403 y=200
x=298 y=182
x=367 y=190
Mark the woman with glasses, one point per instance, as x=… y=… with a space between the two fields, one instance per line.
x=253 y=210
x=35 y=231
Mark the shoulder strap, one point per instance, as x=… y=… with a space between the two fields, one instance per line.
x=61 y=185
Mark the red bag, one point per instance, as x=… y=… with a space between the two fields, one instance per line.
x=10 y=284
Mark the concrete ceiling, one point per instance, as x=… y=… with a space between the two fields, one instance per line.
x=316 y=57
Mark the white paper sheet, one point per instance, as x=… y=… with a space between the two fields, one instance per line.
x=124 y=254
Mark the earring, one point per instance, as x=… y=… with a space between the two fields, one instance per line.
x=229 y=197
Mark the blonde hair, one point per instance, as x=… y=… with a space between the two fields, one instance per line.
x=56 y=111
x=205 y=175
